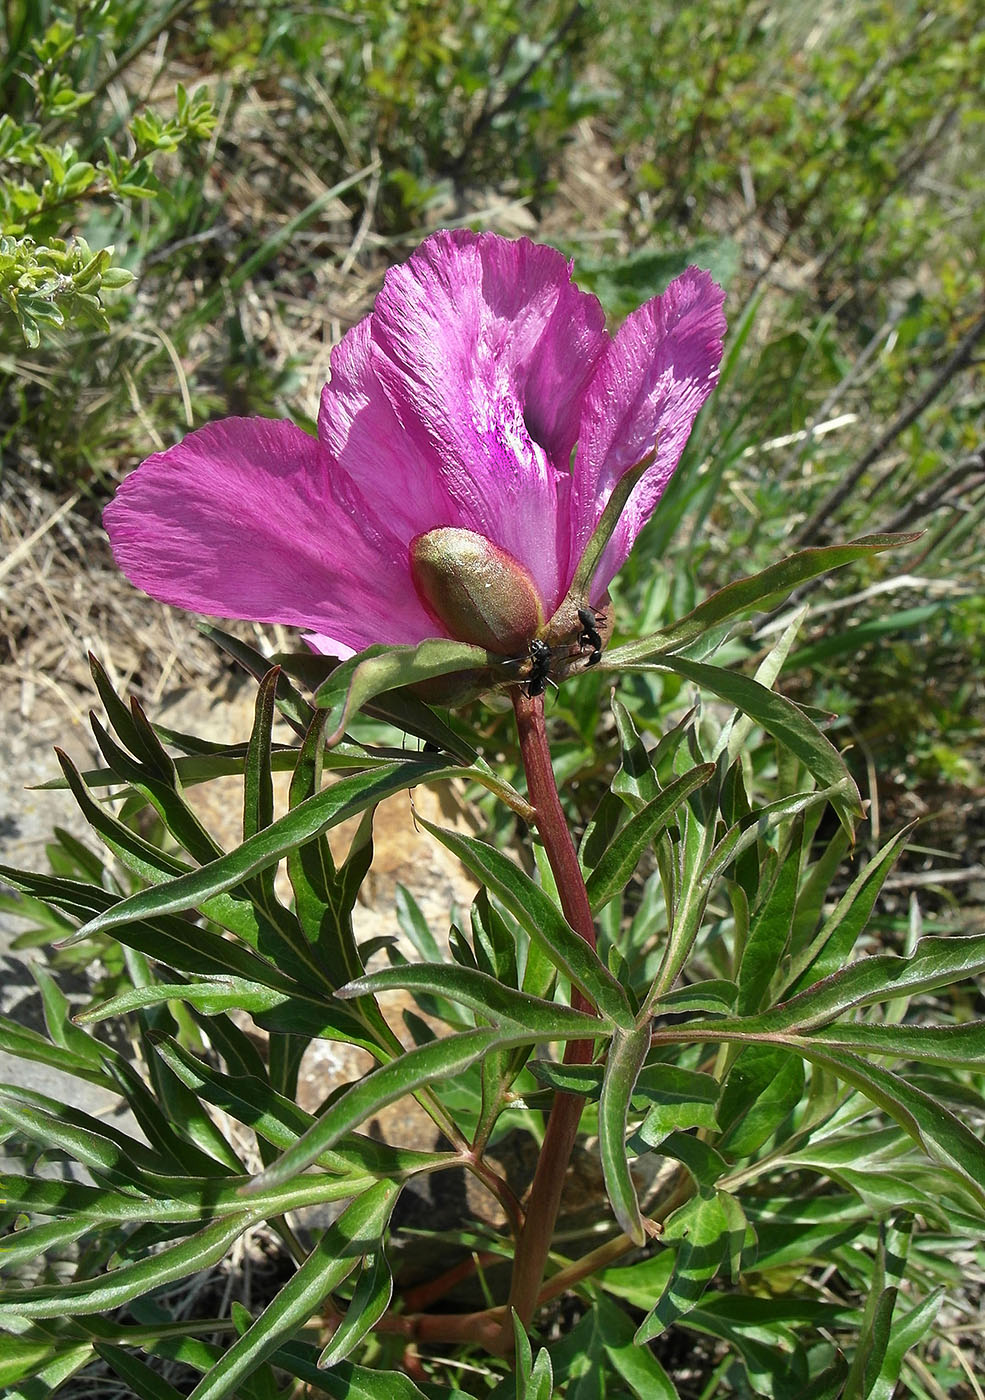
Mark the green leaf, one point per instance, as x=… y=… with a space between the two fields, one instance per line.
x=291 y=704
x=336 y=1254
x=769 y=932
x=309 y=819
x=763 y=1086
x=760 y=592
x=130 y=1281
x=258 y=790
x=581 y=585
x=23 y=1357
x=835 y=942
x=370 y=1300
x=537 y=913
x=702 y=1161
x=877 y=1319
x=908 y=1329
x=623 y=1064
x=782 y=719
x=679 y=1099
x=941 y=1135
x=145 y=1383
x=384 y=668
x=936 y=962
x=701 y=1227
x=962 y=1045
x=636 y=1364
x=622 y=856
x=439 y=1059
x=504 y=1006
x=714 y=995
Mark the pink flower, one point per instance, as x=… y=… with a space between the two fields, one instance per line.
x=483 y=393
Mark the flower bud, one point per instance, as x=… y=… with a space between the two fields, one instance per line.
x=477 y=592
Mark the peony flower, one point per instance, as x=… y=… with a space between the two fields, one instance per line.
x=473 y=428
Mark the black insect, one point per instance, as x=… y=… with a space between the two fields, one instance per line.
x=540 y=668
x=590 y=623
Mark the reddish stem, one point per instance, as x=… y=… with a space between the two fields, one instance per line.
x=534 y=1243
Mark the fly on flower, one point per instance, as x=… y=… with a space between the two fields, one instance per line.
x=474 y=426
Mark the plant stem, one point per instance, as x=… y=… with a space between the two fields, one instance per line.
x=562 y=1126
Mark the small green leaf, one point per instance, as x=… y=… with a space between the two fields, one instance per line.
x=483 y=994
x=760 y=592
x=623 y=1064
x=130 y=1281
x=537 y=913
x=701 y=1227
x=779 y=717
x=309 y=819
x=332 y=1259
x=622 y=856
x=384 y=668
x=370 y=1300
x=834 y=944
x=763 y=1086
x=439 y=1059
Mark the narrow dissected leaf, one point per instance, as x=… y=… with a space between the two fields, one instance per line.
x=781 y=718
x=311 y=818
x=769 y=932
x=200 y=1199
x=702 y=1161
x=117 y=711
x=936 y=962
x=877 y=1318
x=941 y=1135
x=637 y=1365
x=174 y=941
x=537 y=913
x=384 y=668
x=678 y=1099
x=760 y=592
x=145 y=1383
x=356 y=1232
x=755 y=826
x=833 y=945
x=622 y=856
x=735 y=737
x=130 y=1281
x=210 y=997
x=291 y=704
x=44 y=1375
x=97 y=1145
x=258 y=790
x=636 y=782
x=26 y=1044
x=962 y=1046
x=163 y=796
x=700 y=1229
x=763 y=1086
x=438 y=1060
x=716 y=994
x=370 y=1300
x=908 y=1328
x=623 y=1064
x=581 y=584
x=484 y=994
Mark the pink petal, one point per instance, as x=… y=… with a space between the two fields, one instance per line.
x=247 y=518
x=487 y=349
x=363 y=434
x=648 y=390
